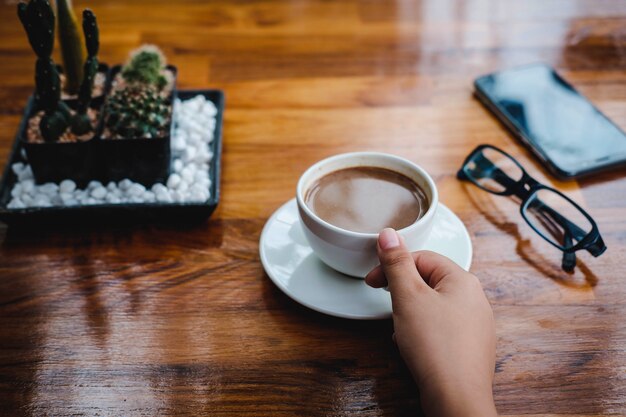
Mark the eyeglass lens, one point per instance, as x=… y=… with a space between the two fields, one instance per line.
x=489 y=169
x=556 y=218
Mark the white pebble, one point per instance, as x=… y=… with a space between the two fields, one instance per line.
x=176 y=196
x=198 y=198
x=25 y=174
x=56 y=200
x=201 y=176
x=99 y=193
x=205 y=184
x=193 y=104
x=17 y=168
x=188 y=173
x=16 y=203
x=173 y=181
x=182 y=187
x=198 y=192
x=125 y=184
x=196 y=136
x=202 y=156
x=41 y=200
x=17 y=190
x=67 y=186
x=149 y=196
x=48 y=189
x=136 y=190
x=94 y=184
x=159 y=188
x=28 y=186
x=112 y=198
x=177 y=165
x=178 y=143
x=190 y=154
x=209 y=109
x=164 y=197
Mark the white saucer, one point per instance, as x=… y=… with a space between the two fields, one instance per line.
x=291 y=264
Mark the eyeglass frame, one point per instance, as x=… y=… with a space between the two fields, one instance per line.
x=591 y=242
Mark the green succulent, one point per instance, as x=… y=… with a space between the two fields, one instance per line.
x=72 y=47
x=37 y=17
x=146 y=66
x=81 y=124
x=137 y=112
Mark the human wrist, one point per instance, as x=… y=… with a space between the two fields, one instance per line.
x=457 y=398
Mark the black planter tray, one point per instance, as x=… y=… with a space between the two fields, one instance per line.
x=126 y=212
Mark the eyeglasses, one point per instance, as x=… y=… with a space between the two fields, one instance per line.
x=554 y=216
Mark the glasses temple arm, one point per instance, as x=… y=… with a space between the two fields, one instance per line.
x=568 y=262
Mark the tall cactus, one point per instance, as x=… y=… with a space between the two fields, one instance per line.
x=72 y=47
x=37 y=18
x=81 y=123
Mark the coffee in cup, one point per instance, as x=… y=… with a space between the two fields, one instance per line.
x=367 y=199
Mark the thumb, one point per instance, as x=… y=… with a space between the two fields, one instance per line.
x=399 y=267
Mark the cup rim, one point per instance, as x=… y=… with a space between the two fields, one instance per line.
x=425 y=218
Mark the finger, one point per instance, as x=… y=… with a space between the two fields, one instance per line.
x=428 y=262
x=398 y=265
x=376 y=278
x=434 y=267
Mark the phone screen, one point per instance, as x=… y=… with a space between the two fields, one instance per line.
x=554 y=118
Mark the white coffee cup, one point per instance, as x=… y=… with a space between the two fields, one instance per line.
x=354 y=253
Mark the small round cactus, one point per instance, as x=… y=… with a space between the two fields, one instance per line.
x=145 y=66
x=137 y=112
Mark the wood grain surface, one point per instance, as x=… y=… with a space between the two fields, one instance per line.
x=153 y=320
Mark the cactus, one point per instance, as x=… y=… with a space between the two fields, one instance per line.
x=145 y=66
x=80 y=122
x=138 y=111
x=37 y=18
x=56 y=116
x=72 y=47
x=38 y=21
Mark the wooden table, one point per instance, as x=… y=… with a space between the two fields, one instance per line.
x=156 y=320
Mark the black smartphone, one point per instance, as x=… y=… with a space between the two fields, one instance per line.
x=568 y=133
